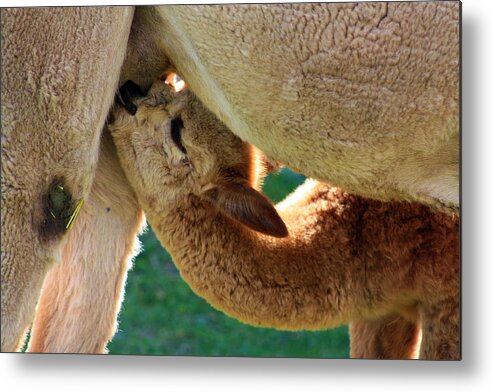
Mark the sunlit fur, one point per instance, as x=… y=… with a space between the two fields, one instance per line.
x=60 y=70
x=57 y=92
x=218 y=166
x=82 y=294
x=347 y=93
x=390 y=269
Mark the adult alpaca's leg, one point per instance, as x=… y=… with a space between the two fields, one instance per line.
x=60 y=69
x=388 y=337
x=81 y=296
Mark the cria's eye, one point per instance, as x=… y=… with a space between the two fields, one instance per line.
x=174 y=82
x=176 y=127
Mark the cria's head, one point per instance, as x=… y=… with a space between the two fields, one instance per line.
x=181 y=148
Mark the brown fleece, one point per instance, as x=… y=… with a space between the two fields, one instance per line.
x=388 y=337
x=362 y=95
x=346 y=259
x=60 y=70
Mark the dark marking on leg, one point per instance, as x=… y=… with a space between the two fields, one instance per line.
x=58 y=210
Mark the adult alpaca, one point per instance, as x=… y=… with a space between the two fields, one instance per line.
x=364 y=96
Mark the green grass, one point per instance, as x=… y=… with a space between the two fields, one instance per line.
x=162 y=316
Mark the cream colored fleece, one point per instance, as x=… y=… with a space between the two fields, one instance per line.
x=60 y=70
x=362 y=95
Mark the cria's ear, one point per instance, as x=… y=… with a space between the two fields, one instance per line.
x=244 y=204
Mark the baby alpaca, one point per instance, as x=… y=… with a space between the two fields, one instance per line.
x=347 y=259
x=193 y=159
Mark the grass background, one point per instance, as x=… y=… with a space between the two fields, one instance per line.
x=162 y=316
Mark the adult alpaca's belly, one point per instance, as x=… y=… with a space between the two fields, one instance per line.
x=347 y=93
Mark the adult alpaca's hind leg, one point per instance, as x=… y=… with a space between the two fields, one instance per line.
x=59 y=73
x=82 y=294
x=388 y=337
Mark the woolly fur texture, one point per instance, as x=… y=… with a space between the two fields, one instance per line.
x=60 y=70
x=364 y=96
x=346 y=259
